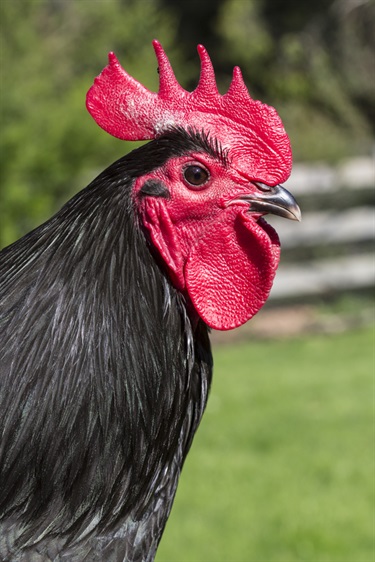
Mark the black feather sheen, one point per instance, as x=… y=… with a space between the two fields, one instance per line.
x=103 y=379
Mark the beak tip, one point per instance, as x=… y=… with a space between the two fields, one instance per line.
x=274 y=200
x=297 y=214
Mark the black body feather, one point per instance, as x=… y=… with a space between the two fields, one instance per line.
x=103 y=377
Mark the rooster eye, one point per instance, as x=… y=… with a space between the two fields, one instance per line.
x=196 y=175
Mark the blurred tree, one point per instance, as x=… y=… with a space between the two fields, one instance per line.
x=50 y=52
x=350 y=35
x=315 y=64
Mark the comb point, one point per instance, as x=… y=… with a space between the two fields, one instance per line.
x=112 y=59
x=207 y=80
x=237 y=85
x=169 y=86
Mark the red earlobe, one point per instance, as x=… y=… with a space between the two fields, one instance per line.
x=156 y=219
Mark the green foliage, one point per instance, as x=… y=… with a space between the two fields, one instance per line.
x=50 y=54
x=314 y=65
x=281 y=469
x=294 y=60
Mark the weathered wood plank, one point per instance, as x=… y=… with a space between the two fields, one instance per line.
x=356 y=173
x=325 y=276
x=327 y=227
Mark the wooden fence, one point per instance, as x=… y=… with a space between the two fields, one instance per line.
x=332 y=249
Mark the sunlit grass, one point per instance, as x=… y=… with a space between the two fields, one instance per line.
x=282 y=467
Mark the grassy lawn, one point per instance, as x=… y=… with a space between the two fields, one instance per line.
x=282 y=467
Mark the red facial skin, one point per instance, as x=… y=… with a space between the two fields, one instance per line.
x=220 y=255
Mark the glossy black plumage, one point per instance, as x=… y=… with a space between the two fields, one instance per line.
x=103 y=377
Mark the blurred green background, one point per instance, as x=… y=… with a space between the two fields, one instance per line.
x=313 y=61
x=282 y=468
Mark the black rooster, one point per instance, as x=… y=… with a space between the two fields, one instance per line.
x=105 y=356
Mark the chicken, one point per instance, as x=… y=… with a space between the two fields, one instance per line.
x=106 y=308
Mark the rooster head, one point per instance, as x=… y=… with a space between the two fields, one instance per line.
x=203 y=208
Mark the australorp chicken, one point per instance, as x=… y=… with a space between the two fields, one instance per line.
x=105 y=308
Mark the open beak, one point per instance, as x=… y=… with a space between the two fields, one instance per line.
x=275 y=200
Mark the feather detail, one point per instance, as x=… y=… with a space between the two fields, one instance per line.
x=103 y=380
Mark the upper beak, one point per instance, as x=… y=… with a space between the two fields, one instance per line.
x=275 y=200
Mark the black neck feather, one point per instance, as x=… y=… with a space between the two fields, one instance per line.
x=100 y=362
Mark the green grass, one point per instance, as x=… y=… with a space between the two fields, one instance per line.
x=282 y=467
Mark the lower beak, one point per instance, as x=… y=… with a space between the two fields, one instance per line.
x=275 y=200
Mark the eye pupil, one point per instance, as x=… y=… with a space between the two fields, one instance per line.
x=195 y=175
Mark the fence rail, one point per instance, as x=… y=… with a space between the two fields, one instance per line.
x=339 y=225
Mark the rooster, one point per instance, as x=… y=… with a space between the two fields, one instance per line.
x=106 y=309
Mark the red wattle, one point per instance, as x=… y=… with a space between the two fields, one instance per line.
x=230 y=271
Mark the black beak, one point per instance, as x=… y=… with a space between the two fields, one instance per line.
x=275 y=200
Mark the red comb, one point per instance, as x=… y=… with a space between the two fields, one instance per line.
x=251 y=131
